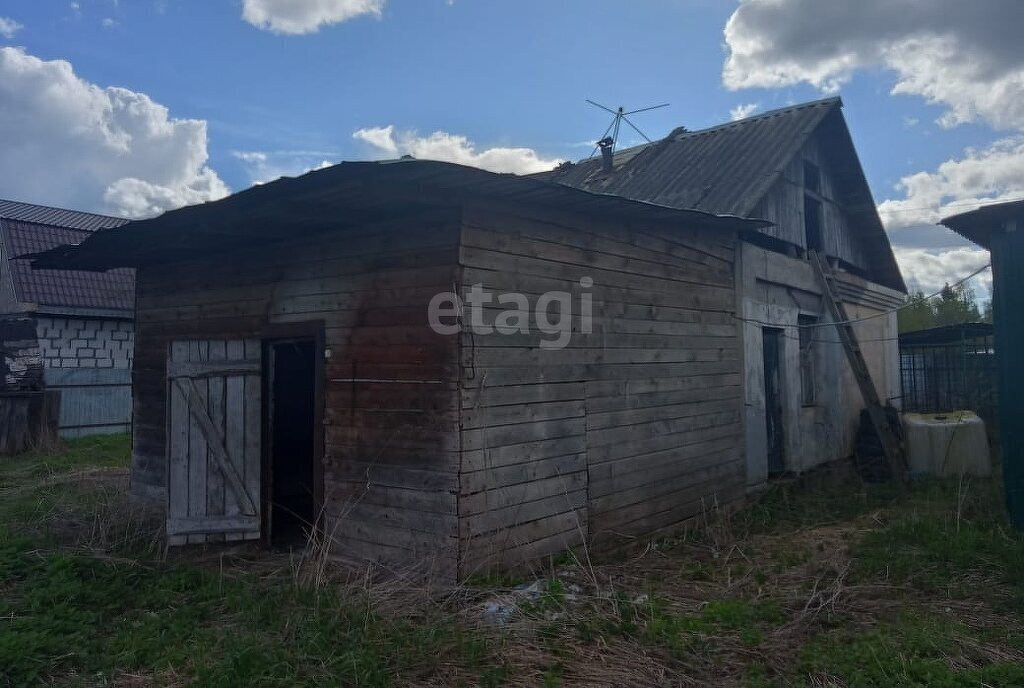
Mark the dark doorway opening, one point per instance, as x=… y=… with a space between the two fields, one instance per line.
x=292 y=411
x=773 y=406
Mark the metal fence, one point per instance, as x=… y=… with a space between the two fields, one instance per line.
x=949 y=369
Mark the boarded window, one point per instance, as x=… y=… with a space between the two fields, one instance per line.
x=808 y=334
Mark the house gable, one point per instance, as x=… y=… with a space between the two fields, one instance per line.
x=755 y=168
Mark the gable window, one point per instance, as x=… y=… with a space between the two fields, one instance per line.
x=812 y=177
x=812 y=223
x=808 y=333
x=813 y=234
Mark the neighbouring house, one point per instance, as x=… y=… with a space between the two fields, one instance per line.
x=798 y=169
x=65 y=330
x=1000 y=229
x=300 y=356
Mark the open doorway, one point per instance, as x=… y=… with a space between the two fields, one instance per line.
x=773 y=401
x=292 y=458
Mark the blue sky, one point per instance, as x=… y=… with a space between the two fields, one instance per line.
x=282 y=86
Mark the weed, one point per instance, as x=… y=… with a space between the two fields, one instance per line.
x=911 y=650
x=939 y=538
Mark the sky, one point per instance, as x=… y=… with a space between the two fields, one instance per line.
x=134 y=107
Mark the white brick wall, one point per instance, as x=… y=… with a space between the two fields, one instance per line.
x=85 y=342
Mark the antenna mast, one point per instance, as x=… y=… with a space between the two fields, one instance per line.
x=621 y=115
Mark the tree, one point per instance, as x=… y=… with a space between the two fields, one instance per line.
x=918 y=313
x=956 y=305
x=953 y=306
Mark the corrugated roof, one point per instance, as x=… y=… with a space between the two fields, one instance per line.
x=729 y=168
x=724 y=169
x=29 y=229
x=977 y=225
x=344 y=197
x=57 y=217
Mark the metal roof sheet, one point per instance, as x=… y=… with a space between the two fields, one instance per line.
x=977 y=225
x=723 y=169
x=946 y=334
x=57 y=217
x=114 y=290
x=729 y=168
x=342 y=197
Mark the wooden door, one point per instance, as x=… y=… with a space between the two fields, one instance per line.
x=773 y=400
x=213 y=441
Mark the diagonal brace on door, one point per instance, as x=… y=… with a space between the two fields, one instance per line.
x=215 y=441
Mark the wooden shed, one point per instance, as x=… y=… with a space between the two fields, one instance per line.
x=300 y=359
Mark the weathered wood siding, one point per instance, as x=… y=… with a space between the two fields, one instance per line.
x=627 y=430
x=390 y=436
x=783 y=206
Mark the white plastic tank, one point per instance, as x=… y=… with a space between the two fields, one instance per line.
x=947 y=444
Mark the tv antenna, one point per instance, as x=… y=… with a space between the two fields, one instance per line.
x=611 y=134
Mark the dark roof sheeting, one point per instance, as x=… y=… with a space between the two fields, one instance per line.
x=728 y=169
x=724 y=169
x=341 y=197
x=978 y=225
x=113 y=290
x=946 y=334
x=27 y=228
x=57 y=217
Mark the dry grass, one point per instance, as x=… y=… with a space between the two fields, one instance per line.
x=805 y=586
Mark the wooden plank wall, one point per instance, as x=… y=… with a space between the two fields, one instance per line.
x=628 y=430
x=391 y=440
x=783 y=206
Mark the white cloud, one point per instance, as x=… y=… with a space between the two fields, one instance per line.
x=388 y=143
x=928 y=270
x=743 y=111
x=987 y=175
x=305 y=16
x=69 y=142
x=266 y=166
x=9 y=27
x=965 y=55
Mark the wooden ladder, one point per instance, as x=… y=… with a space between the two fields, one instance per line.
x=879 y=418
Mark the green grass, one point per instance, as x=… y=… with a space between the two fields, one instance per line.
x=86 y=599
x=943 y=539
x=911 y=650
x=70 y=617
x=75 y=616
x=100 y=451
